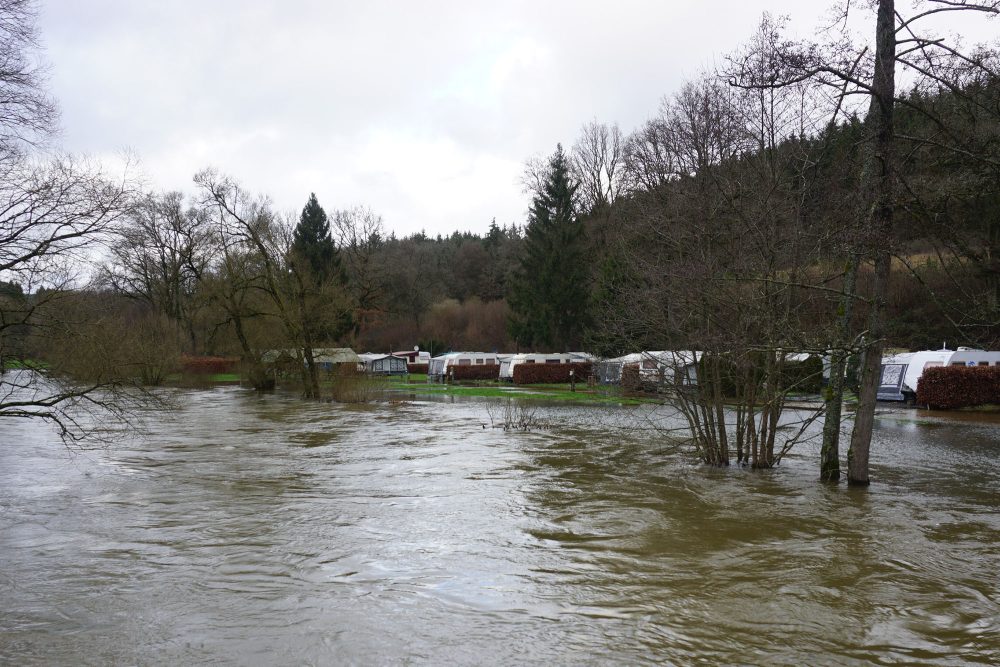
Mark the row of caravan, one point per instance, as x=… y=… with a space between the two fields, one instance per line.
x=654 y=367
x=901 y=372
x=439 y=367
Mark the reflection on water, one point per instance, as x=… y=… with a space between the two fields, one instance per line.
x=250 y=530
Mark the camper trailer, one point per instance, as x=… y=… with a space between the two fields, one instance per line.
x=655 y=367
x=901 y=372
x=383 y=364
x=437 y=368
x=507 y=365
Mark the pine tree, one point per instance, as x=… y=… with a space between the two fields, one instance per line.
x=313 y=245
x=317 y=281
x=549 y=295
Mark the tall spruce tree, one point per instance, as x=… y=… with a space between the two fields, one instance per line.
x=313 y=245
x=549 y=295
x=317 y=277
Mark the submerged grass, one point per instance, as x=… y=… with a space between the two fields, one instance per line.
x=417 y=385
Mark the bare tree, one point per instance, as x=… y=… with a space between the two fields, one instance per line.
x=257 y=252
x=598 y=164
x=359 y=233
x=249 y=230
x=160 y=256
x=53 y=216
x=900 y=42
x=716 y=265
x=649 y=161
x=28 y=114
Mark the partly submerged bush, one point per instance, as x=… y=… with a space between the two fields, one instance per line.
x=477 y=372
x=551 y=373
x=350 y=385
x=951 y=387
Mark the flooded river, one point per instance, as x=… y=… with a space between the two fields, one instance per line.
x=265 y=530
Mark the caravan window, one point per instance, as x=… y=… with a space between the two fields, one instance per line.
x=649 y=365
x=958 y=363
x=552 y=361
x=465 y=362
x=480 y=361
x=984 y=363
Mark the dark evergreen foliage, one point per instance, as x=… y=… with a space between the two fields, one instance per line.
x=313 y=245
x=550 y=294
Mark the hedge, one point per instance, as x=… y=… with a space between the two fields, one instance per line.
x=551 y=373
x=208 y=365
x=475 y=372
x=417 y=368
x=631 y=380
x=951 y=387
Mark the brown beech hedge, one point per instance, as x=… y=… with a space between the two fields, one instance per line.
x=208 y=365
x=550 y=373
x=480 y=372
x=417 y=368
x=950 y=387
x=631 y=380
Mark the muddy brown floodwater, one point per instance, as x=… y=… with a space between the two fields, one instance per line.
x=265 y=530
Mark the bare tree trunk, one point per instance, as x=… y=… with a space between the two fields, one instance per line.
x=311 y=379
x=829 y=456
x=992 y=259
x=882 y=174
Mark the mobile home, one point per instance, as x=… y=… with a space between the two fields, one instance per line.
x=508 y=365
x=901 y=372
x=383 y=364
x=437 y=368
x=656 y=367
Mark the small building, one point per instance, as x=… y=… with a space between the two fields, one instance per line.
x=327 y=358
x=331 y=358
x=383 y=364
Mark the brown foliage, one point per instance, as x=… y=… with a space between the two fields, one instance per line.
x=479 y=372
x=951 y=387
x=208 y=365
x=551 y=373
x=631 y=379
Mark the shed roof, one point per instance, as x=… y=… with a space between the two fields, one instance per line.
x=335 y=355
x=322 y=355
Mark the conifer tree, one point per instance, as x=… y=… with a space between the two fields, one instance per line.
x=550 y=294
x=313 y=245
x=317 y=277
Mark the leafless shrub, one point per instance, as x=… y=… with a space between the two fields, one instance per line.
x=511 y=414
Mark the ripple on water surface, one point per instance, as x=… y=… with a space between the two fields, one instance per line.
x=246 y=529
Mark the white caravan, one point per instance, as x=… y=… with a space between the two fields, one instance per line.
x=437 y=368
x=901 y=372
x=508 y=364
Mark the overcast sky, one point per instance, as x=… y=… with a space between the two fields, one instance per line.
x=424 y=111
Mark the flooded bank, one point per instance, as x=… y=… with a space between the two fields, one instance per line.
x=260 y=530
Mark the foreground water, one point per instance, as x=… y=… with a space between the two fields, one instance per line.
x=248 y=530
